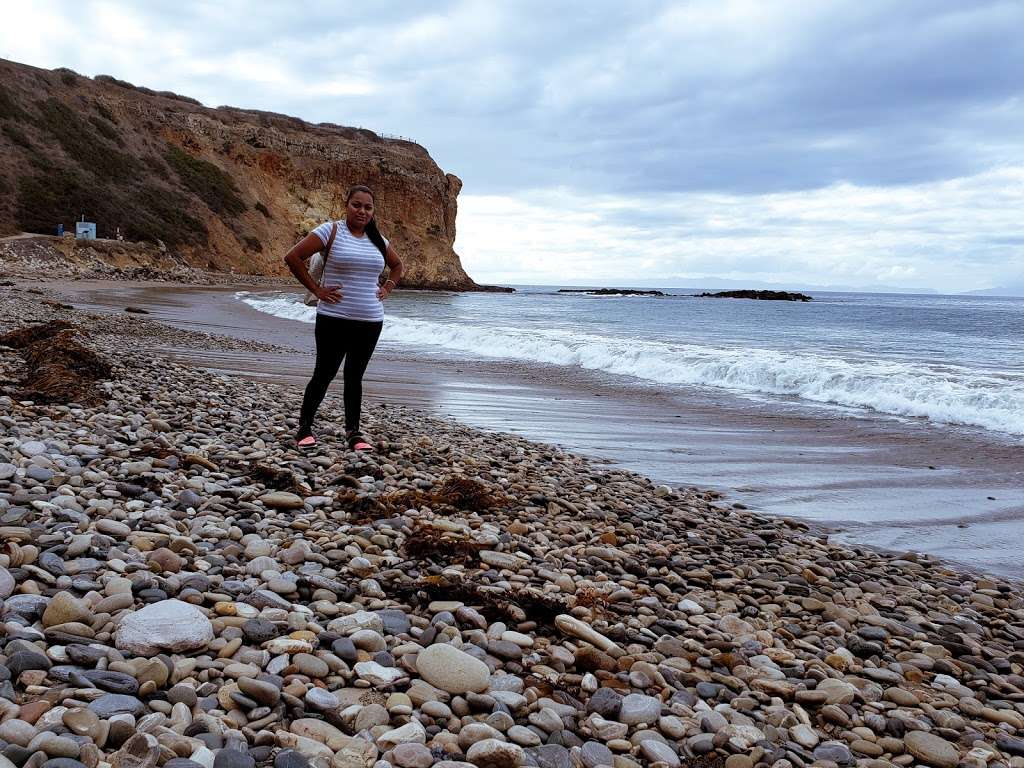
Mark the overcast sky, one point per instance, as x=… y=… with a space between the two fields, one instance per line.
x=838 y=142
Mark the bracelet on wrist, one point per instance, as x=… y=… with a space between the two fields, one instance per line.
x=393 y=283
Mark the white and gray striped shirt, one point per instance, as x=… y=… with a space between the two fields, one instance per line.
x=353 y=266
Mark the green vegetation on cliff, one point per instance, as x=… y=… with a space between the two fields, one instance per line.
x=208 y=182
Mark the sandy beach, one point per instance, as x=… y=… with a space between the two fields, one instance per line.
x=900 y=487
x=180 y=587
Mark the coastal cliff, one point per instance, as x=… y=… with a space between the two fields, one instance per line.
x=222 y=189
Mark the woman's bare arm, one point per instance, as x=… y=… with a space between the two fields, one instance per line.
x=395 y=268
x=296 y=259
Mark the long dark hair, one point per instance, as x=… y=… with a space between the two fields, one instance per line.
x=371 y=228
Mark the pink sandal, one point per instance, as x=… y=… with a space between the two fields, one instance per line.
x=357 y=443
x=305 y=439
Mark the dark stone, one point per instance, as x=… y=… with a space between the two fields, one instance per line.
x=895 y=727
x=63 y=762
x=197 y=581
x=708 y=690
x=181 y=762
x=115 y=682
x=594 y=754
x=261 y=754
x=344 y=649
x=670 y=646
x=834 y=752
x=683 y=697
x=211 y=740
x=564 y=697
x=395 y=621
x=565 y=739
x=85 y=655
x=1010 y=744
x=504 y=649
x=189 y=498
x=243 y=701
x=183 y=694
x=480 y=702
x=14 y=516
x=444 y=617
x=605 y=702
x=878 y=634
x=384 y=658
x=120 y=732
x=52 y=563
x=59 y=637
x=590 y=659
x=264 y=598
x=549 y=756
x=259 y=631
x=39 y=474
x=863 y=648
x=289 y=758
x=17 y=755
x=64 y=673
x=29 y=606
x=428 y=636
x=232 y=758
x=25 y=660
x=111 y=704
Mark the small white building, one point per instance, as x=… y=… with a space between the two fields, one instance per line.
x=85 y=230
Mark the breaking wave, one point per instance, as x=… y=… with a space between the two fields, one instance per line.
x=946 y=394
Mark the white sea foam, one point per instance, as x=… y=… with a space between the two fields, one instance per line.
x=945 y=394
x=287 y=306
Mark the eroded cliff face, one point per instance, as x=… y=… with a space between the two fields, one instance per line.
x=224 y=189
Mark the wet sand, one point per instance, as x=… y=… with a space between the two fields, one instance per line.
x=905 y=486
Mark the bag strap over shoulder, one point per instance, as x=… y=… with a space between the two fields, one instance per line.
x=330 y=242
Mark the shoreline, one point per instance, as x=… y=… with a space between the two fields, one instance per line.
x=458 y=598
x=33 y=256
x=874 y=482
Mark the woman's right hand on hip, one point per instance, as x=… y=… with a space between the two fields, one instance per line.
x=330 y=295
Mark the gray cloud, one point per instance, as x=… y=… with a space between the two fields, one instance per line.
x=646 y=101
x=656 y=96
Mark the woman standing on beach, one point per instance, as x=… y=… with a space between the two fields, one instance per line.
x=350 y=312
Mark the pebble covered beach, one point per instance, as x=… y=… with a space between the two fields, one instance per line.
x=181 y=587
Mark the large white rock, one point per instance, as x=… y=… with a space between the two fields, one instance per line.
x=321 y=731
x=169 y=625
x=354 y=622
x=452 y=670
x=410 y=733
x=379 y=675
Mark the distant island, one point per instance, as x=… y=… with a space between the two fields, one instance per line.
x=610 y=291
x=760 y=295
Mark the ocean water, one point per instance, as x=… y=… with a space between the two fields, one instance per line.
x=953 y=361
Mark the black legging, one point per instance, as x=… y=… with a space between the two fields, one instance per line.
x=337 y=339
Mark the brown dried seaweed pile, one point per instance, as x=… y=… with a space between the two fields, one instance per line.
x=58 y=367
x=514 y=605
x=427 y=543
x=455 y=492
